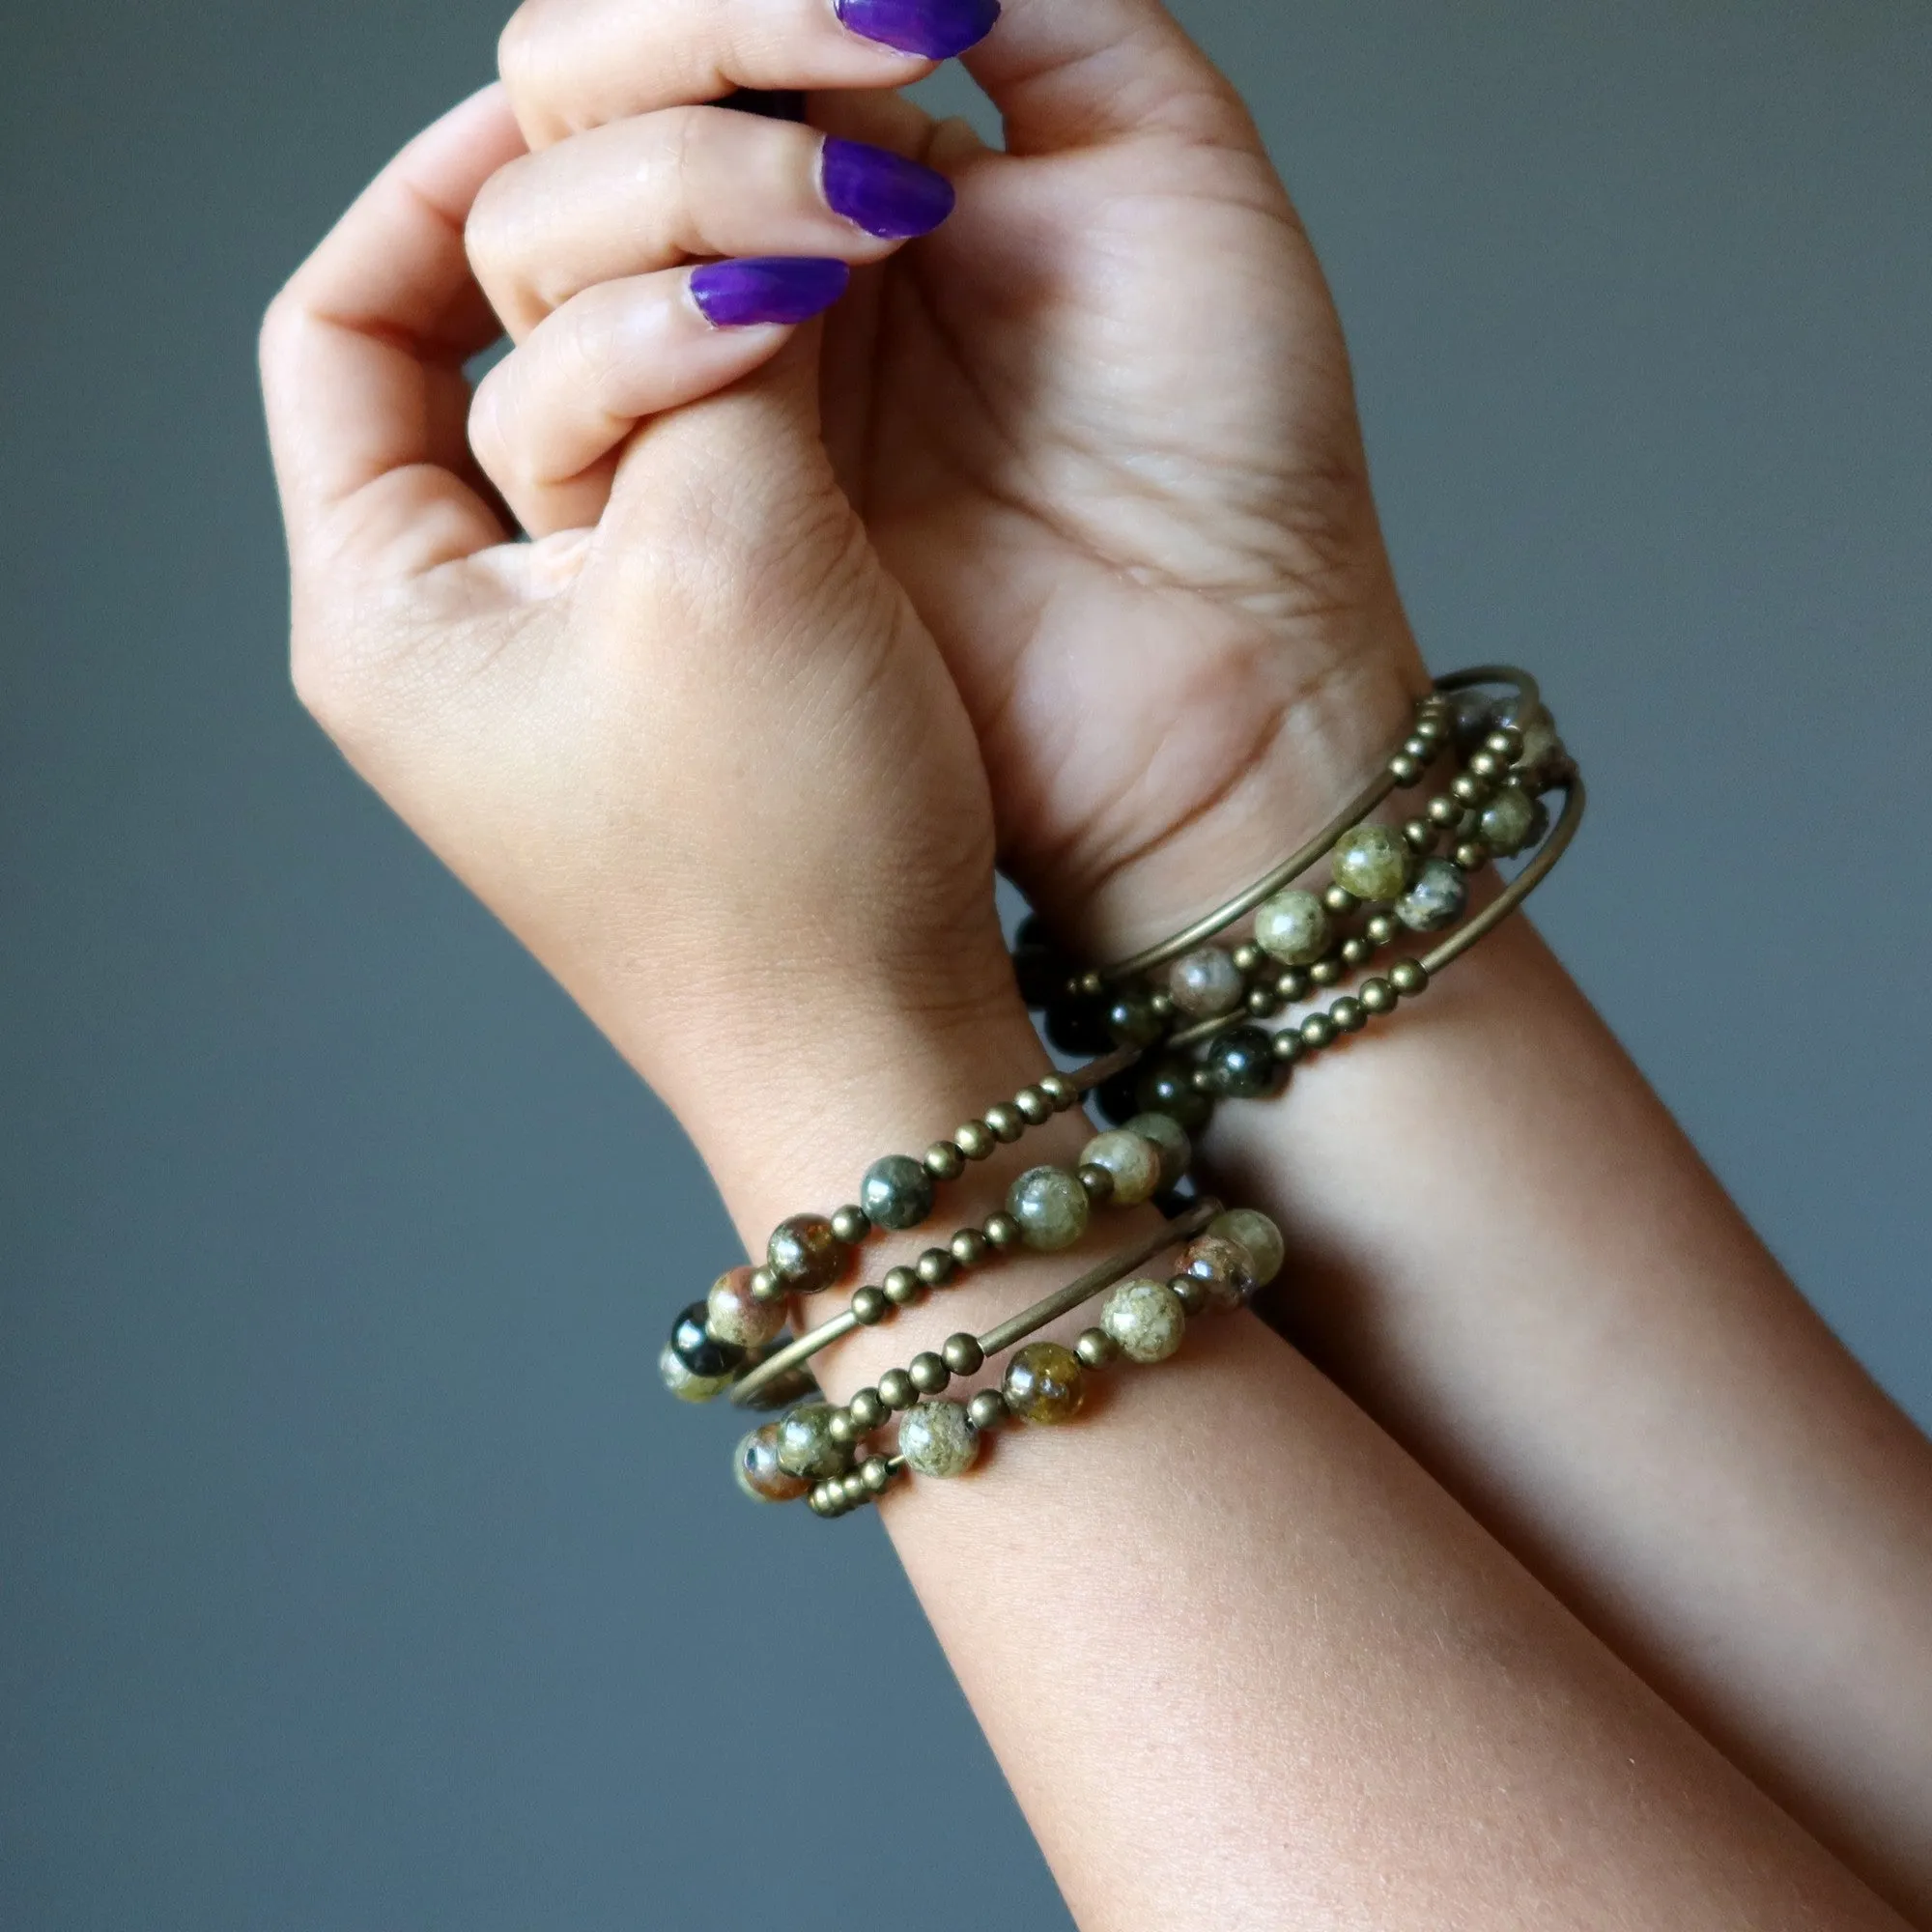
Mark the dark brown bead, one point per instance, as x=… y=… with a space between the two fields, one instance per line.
x=805 y=1255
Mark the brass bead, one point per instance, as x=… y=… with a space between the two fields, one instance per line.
x=1484 y=764
x=1339 y=899
x=1382 y=927
x=765 y=1286
x=1193 y=1293
x=987 y=1409
x=1470 y=790
x=867 y=1411
x=963 y=1354
x=1416 y=746
x=1431 y=726
x=1006 y=1120
x=1349 y=1014
x=1003 y=1231
x=902 y=1287
x=1405 y=769
x=1249 y=957
x=975 y=1140
x=1264 y=1001
x=1292 y=984
x=944 y=1161
x=1505 y=742
x=1201 y=1080
x=870 y=1307
x=1471 y=855
x=1445 y=812
x=851 y=1224
x=853 y=1489
x=1061 y=1091
x=1163 y=1002
x=969 y=1247
x=826 y=1499
x=1408 y=976
x=1325 y=972
x=1356 y=951
x=1090 y=985
x=896 y=1389
x=1288 y=1046
x=843 y=1426
x=1095 y=1347
x=876 y=1473
x=1419 y=834
x=928 y=1371
x=1317 y=1030
x=935 y=1267
x=1096 y=1181
x=1376 y=996
x=1034 y=1106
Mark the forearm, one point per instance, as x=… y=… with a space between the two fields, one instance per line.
x=1504 y=1249
x=1241 y=1661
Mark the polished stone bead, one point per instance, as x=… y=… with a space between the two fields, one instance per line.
x=1118 y=1097
x=1220 y=1266
x=1372 y=861
x=683 y=1383
x=733 y=1315
x=1134 y=1020
x=1050 y=1205
x=701 y=1353
x=807 y=1445
x=1144 y=1320
x=805 y=1255
x=761 y=1474
x=1078 y=1027
x=1170 y=1137
x=897 y=1192
x=1041 y=972
x=1435 y=900
x=1241 y=1063
x=1293 y=927
x=1509 y=821
x=1206 y=984
x=1252 y=1231
x=1044 y=1382
x=1135 y=1162
x=937 y=1439
x=1167 y=1087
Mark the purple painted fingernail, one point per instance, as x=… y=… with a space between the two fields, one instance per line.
x=767 y=288
x=886 y=196
x=933 y=29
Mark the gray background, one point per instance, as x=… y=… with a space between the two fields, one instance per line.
x=354 y=1571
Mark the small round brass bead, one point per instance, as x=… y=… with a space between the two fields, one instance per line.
x=1470 y=790
x=896 y=1389
x=1193 y=1293
x=1356 y=951
x=1484 y=764
x=969 y=1247
x=1317 y=1030
x=1264 y=1001
x=1033 y=1104
x=1339 y=899
x=975 y=1140
x=1003 y=1231
x=1431 y=726
x=1376 y=996
x=870 y=1307
x=987 y=1409
x=1061 y=1091
x=843 y=1426
x=935 y=1267
x=1382 y=927
x=1201 y=1080
x=852 y=1489
x=902 y=1287
x=1349 y=1014
x=1098 y=1182
x=1408 y=976
x=876 y=1473
x=1090 y=985
x=1419 y=834
x=928 y=1371
x=1163 y=1002
x=1292 y=984
x=1471 y=855
x=1405 y=768
x=1095 y=1347
x=851 y=1224
x=1249 y=957
x=1416 y=746
x=1505 y=742
x=962 y=1353
x=944 y=1161
x=826 y=1499
x=867 y=1411
x=1325 y=972
x=765 y=1286
x=1006 y=1120
x=1288 y=1046
x=1445 y=812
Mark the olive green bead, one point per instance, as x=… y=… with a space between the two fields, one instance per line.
x=1046 y=1383
x=733 y=1313
x=682 y=1382
x=1133 y=1161
x=937 y=1439
x=807 y=1445
x=1370 y=862
x=1205 y=984
x=1167 y=1087
x=1171 y=1141
x=1144 y=1320
x=1435 y=900
x=1248 y=1227
x=761 y=1474
x=1134 y=1020
x=1050 y=1205
x=928 y=1371
x=1509 y=821
x=1292 y=927
x=897 y=1192
x=805 y=1255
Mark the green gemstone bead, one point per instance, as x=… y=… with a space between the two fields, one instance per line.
x=1134 y=1161
x=1050 y=1205
x=1435 y=900
x=897 y=1192
x=1241 y=1063
x=1044 y=1383
x=1370 y=862
x=761 y=1474
x=937 y=1439
x=807 y=1445
x=1171 y=1138
x=1167 y=1087
x=1252 y=1231
x=1293 y=927
x=682 y=1382
x=1144 y=1318
x=1205 y=984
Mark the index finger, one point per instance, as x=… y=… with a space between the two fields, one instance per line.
x=362 y=357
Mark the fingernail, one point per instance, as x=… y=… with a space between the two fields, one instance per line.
x=933 y=29
x=767 y=288
x=877 y=191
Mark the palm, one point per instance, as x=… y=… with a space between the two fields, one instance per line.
x=1101 y=427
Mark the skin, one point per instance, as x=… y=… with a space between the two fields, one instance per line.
x=818 y=621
